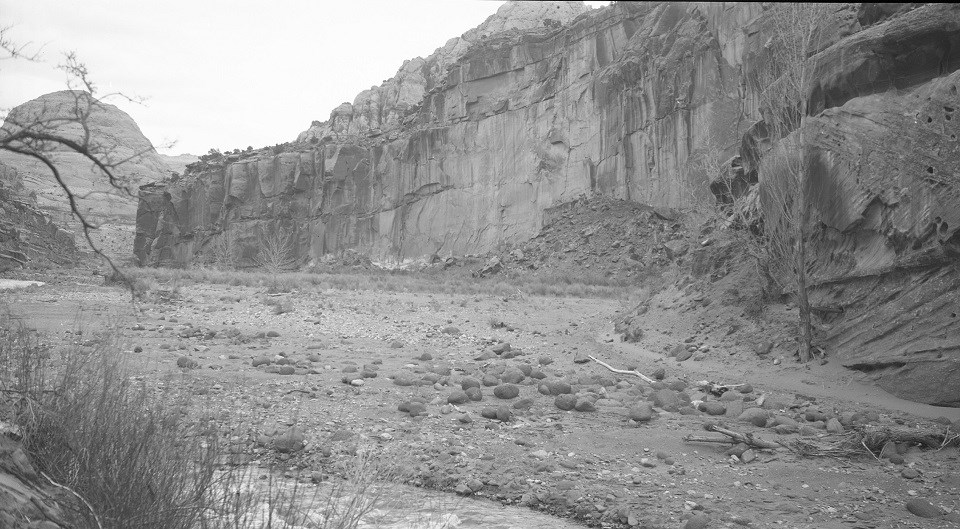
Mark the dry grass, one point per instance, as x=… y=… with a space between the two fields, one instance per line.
x=504 y=285
x=124 y=448
x=138 y=453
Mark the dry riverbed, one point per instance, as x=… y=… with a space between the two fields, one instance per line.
x=311 y=375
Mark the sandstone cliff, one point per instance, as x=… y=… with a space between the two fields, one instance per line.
x=27 y=236
x=463 y=151
x=110 y=132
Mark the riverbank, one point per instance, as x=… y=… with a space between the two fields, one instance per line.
x=320 y=373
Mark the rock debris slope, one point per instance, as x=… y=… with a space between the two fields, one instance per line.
x=462 y=152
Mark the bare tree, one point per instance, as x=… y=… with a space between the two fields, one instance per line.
x=785 y=180
x=276 y=251
x=226 y=251
x=41 y=131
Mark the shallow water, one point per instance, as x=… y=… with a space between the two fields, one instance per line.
x=407 y=508
x=448 y=510
x=13 y=284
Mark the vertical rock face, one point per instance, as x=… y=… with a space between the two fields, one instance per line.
x=464 y=150
x=27 y=236
x=888 y=244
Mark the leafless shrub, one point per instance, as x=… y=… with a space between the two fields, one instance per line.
x=276 y=252
x=225 y=251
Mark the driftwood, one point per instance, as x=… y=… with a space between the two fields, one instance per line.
x=871 y=439
x=643 y=377
x=732 y=437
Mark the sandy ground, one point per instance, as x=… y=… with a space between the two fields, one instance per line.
x=598 y=467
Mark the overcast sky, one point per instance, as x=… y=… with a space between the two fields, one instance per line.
x=226 y=74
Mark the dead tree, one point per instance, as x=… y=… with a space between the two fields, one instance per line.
x=786 y=191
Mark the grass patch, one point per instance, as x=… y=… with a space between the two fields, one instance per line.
x=507 y=285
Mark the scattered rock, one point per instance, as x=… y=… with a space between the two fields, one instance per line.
x=468 y=383
x=666 y=399
x=923 y=508
x=697 y=521
x=506 y=391
x=512 y=376
x=185 y=362
x=523 y=404
x=559 y=387
x=474 y=394
x=452 y=331
x=712 y=408
x=834 y=426
x=642 y=412
x=584 y=404
x=565 y=402
x=910 y=473
x=291 y=440
x=458 y=397
x=755 y=416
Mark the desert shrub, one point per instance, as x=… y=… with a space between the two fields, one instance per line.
x=139 y=285
x=134 y=457
x=226 y=251
x=125 y=449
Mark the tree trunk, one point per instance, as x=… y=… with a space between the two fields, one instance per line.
x=803 y=302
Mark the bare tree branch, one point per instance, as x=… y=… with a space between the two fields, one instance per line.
x=38 y=133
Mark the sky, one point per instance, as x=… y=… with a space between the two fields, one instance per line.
x=226 y=74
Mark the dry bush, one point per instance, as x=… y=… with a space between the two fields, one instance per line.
x=226 y=252
x=276 y=252
x=134 y=456
x=123 y=448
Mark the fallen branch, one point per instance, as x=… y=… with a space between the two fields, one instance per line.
x=71 y=491
x=643 y=377
x=732 y=437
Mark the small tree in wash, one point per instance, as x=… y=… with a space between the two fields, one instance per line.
x=787 y=189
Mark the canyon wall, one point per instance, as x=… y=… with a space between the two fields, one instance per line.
x=463 y=151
